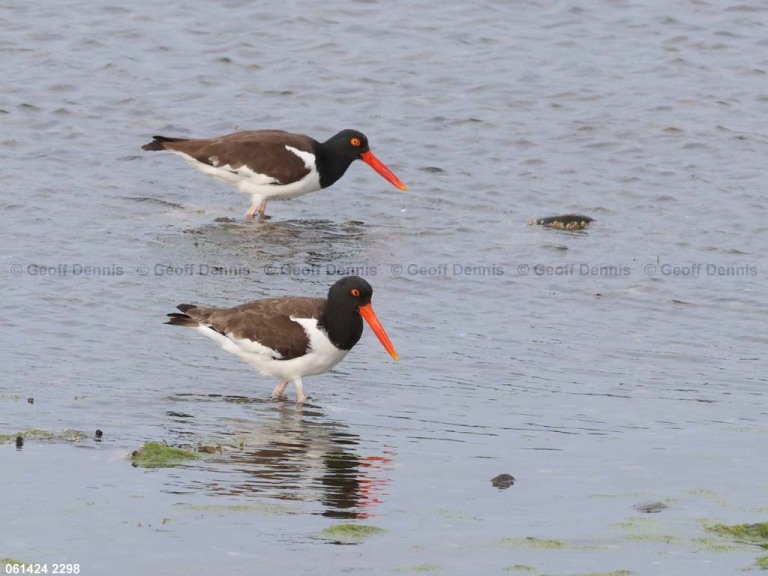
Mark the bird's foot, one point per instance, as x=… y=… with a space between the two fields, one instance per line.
x=251 y=214
x=279 y=390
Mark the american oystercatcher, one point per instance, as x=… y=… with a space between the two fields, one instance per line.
x=275 y=164
x=291 y=338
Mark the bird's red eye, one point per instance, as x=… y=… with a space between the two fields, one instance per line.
x=355 y=292
x=355 y=142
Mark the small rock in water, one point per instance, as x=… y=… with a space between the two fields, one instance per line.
x=564 y=222
x=19 y=442
x=173 y=414
x=503 y=481
x=650 y=507
x=97 y=436
x=30 y=400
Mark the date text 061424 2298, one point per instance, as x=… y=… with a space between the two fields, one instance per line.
x=50 y=569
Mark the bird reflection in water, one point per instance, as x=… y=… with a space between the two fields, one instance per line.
x=300 y=455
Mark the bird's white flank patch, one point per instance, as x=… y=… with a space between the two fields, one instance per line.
x=307 y=157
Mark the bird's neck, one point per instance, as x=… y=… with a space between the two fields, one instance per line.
x=331 y=167
x=344 y=329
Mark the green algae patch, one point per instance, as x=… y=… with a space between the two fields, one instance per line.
x=521 y=568
x=156 y=455
x=752 y=533
x=36 y=434
x=636 y=523
x=644 y=529
x=11 y=562
x=256 y=508
x=457 y=515
x=714 y=545
x=531 y=542
x=419 y=568
x=350 y=533
x=710 y=495
x=613 y=573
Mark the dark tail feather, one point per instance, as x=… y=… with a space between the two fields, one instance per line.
x=157 y=143
x=176 y=319
x=181 y=320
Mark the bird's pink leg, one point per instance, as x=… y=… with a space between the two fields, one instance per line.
x=277 y=393
x=300 y=396
x=256 y=209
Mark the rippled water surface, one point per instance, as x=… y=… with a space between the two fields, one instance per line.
x=603 y=369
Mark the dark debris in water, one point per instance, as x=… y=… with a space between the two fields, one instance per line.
x=650 y=507
x=564 y=222
x=158 y=201
x=173 y=414
x=503 y=481
x=212 y=397
x=205 y=449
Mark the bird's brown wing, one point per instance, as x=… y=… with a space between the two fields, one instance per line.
x=267 y=322
x=262 y=151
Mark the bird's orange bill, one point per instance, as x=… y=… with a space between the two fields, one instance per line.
x=379 y=166
x=368 y=315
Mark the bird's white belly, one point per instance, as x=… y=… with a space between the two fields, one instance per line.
x=310 y=364
x=260 y=186
x=258 y=191
x=321 y=357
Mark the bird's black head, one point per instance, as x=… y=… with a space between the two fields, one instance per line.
x=348 y=143
x=341 y=318
x=337 y=153
x=334 y=156
x=348 y=304
x=349 y=294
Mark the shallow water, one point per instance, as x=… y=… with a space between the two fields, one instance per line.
x=604 y=368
